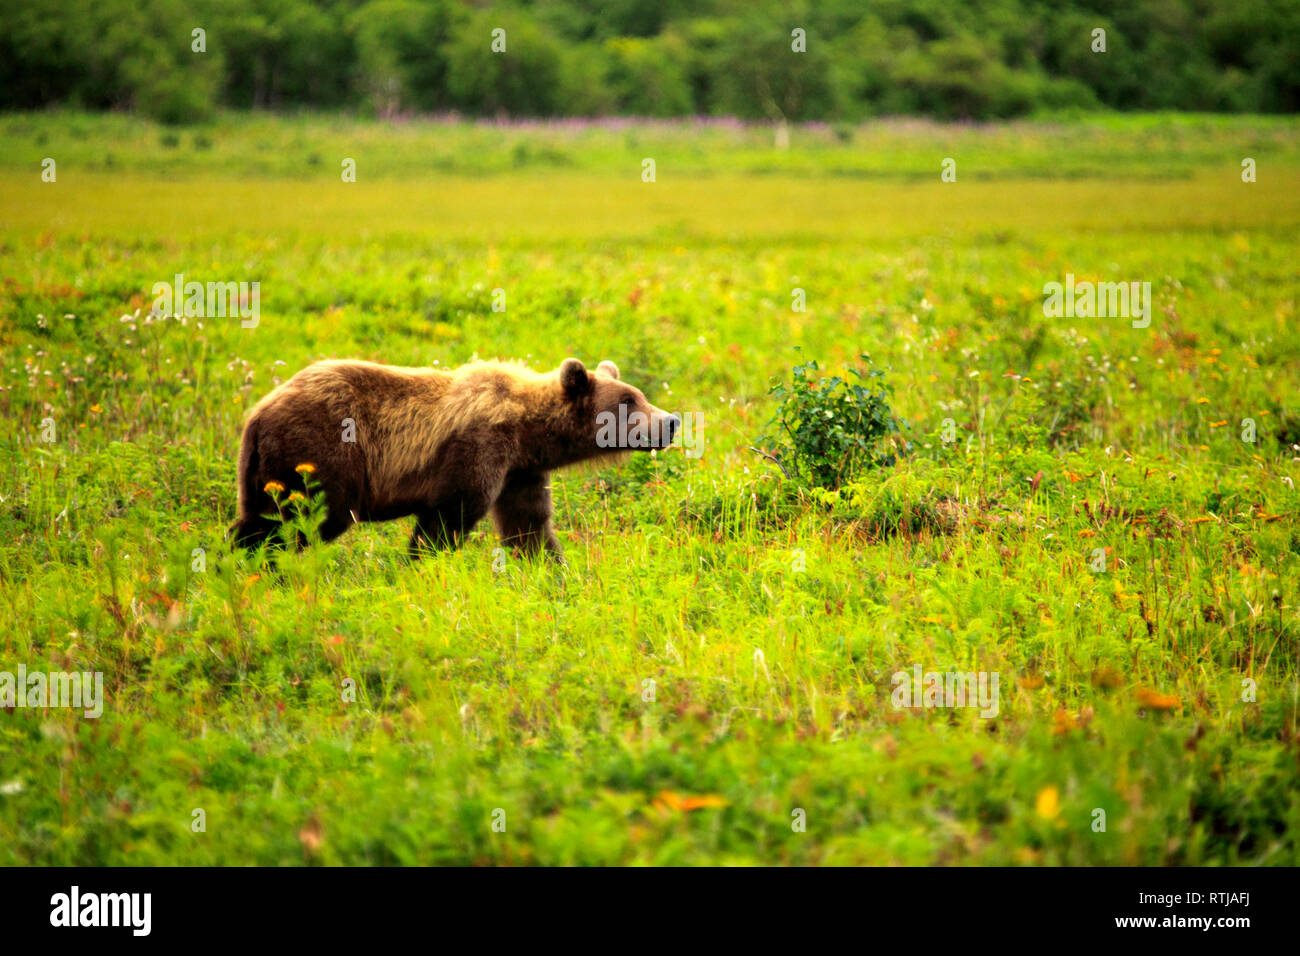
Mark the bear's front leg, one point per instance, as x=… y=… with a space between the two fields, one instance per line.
x=443 y=528
x=522 y=514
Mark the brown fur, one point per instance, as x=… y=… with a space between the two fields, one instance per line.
x=445 y=446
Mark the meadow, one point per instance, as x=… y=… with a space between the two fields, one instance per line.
x=709 y=680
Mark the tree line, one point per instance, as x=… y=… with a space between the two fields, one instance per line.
x=833 y=60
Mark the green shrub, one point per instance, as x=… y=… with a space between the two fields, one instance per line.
x=830 y=430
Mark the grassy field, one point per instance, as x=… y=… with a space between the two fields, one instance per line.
x=709 y=681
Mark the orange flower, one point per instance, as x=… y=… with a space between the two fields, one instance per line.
x=1062 y=722
x=272 y=487
x=667 y=800
x=1155 y=700
x=306 y=468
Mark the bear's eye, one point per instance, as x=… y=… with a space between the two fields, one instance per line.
x=628 y=401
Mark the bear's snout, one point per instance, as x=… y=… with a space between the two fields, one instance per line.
x=671 y=425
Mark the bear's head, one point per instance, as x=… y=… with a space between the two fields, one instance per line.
x=610 y=416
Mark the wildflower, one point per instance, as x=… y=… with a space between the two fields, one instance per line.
x=1155 y=700
x=273 y=486
x=1048 y=804
x=306 y=468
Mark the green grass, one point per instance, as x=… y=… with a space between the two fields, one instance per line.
x=770 y=620
x=1107 y=145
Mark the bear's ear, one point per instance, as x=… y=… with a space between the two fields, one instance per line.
x=609 y=368
x=574 y=378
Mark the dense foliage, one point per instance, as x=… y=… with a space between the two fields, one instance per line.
x=652 y=57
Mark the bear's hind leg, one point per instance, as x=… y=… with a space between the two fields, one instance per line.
x=335 y=523
x=251 y=531
x=330 y=528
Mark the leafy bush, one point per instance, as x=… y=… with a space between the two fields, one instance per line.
x=830 y=430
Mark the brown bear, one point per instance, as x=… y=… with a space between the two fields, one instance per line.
x=447 y=446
